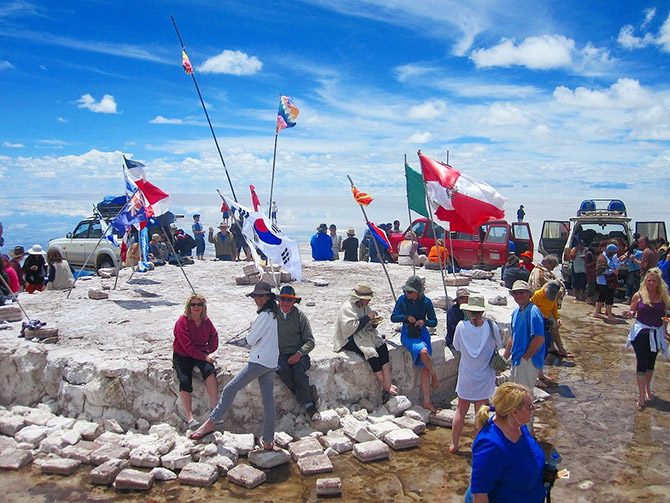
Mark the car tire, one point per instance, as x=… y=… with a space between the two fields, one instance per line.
x=105 y=262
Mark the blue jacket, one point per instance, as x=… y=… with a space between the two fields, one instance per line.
x=421 y=309
x=322 y=246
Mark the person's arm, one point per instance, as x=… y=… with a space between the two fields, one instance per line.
x=535 y=344
x=537 y=330
x=213 y=341
x=398 y=316
x=634 y=301
x=431 y=317
x=211 y=237
x=306 y=334
x=52 y=273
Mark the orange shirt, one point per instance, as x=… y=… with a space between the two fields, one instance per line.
x=438 y=256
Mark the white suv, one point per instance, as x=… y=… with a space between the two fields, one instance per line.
x=84 y=242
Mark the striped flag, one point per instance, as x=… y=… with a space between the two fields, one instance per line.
x=287 y=113
x=361 y=197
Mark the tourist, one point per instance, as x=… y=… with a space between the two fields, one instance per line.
x=631 y=263
x=514 y=272
x=649 y=258
x=507 y=462
x=438 y=257
x=35 y=269
x=364 y=247
x=16 y=258
x=416 y=313
x=195 y=342
x=263 y=358
x=520 y=214
x=157 y=249
x=456 y=315
x=589 y=293
x=543 y=272
x=199 y=236
x=6 y=293
x=396 y=226
x=356 y=330
x=546 y=300
x=578 y=269
x=526 y=346
x=240 y=240
x=527 y=261
x=273 y=212
x=476 y=339
x=408 y=251
x=183 y=245
x=337 y=241
x=224 y=243
x=225 y=212
x=607 y=280
x=322 y=244
x=649 y=306
x=59 y=275
x=350 y=246
x=12 y=277
x=295 y=343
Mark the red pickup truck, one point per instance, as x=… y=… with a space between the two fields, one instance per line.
x=487 y=250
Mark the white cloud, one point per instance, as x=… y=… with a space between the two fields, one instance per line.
x=409 y=72
x=628 y=40
x=538 y=53
x=62 y=120
x=664 y=35
x=649 y=15
x=5 y=65
x=13 y=145
x=233 y=63
x=428 y=110
x=159 y=119
x=623 y=94
x=106 y=105
x=505 y=114
x=420 y=137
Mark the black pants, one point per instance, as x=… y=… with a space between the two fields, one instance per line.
x=295 y=377
x=605 y=294
x=377 y=362
x=183 y=365
x=646 y=358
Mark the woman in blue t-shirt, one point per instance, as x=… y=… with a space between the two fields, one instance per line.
x=507 y=462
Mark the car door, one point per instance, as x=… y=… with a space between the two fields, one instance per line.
x=522 y=238
x=466 y=248
x=653 y=230
x=554 y=237
x=495 y=244
x=75 y=255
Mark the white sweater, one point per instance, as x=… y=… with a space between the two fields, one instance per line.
x=264 y=341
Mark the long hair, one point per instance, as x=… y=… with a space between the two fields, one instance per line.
x=187 y=307
x=508 y=397
x=270 y=306
x=662 y=290
x=54 y=256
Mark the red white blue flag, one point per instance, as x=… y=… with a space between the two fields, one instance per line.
x=157 y=201
x=379 y=235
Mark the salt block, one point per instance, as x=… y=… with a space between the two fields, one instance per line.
x=357 y=430
x=81 y=451
x=282 y=439
x=361 y=414
x=242 y=280
x=39 y=417
x=329 y=487
x=41 y=333
x=371 y=451
x=250 y=270
x=163 y=474
x=134 y=480
x=142 y=457
x=444 y=417
x=398 y=404
x=176 y=460
x=53 y=444
x=111 y=438
x=60 y=466
x=96 y=294
x=457 y=281
x=320 y=282
x=113 y=426
x=381 y=418
x=162 y=430
x=88 y=429
x=32 y=434
x=10 y=313
x=62 y=422
x=6 y=443
x=327 y=420
x=222 y=463
x=286 y=277
x=198 y=474
x=261 y=458
x=107 y=452
x=402 y=439
x=417 y=427
x=246 y=476
x=107 y=272
x=339 y=442
x=106 y=473
x=244 y=442
x=305 y=447
x=316 y=463
x=380 y=430
x=71 y=437
x=13 y=459
x=419 y=413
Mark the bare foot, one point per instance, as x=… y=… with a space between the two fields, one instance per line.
x=453 y=449
x=640 y=405
x=392 y=390
x=597 y=315
x=205 y=429
x=429 y=406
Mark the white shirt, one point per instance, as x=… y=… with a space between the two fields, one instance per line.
x=476 y=379
x=264 y=341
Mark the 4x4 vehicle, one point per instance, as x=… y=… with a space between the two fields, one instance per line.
x=84 y=241
x=597 y=222
x=486 y=250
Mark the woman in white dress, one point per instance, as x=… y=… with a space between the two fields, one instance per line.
x=476 y=339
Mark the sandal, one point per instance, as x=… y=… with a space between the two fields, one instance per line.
x=196 y=435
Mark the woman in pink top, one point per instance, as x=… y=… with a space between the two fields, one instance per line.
x=12 y=277
x=195 y=340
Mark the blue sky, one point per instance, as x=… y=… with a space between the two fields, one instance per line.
x=523 y=98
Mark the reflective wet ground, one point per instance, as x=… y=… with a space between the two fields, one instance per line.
x=614 y=452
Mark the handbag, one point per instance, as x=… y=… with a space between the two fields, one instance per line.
x=497 y=362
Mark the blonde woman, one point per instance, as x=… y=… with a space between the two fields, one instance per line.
x=649 y=306
x=195 y=341
x=507 y=462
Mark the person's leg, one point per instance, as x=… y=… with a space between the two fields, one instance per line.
x=425 y=390
x=266 y=382
x=303 y=393
x=186 y=400
x=427 y=361
x=212 y=388
x=457 y=426
x=609 y=302
x=478 y=405
x=388 y=385
x=183 y=366
x=642 y=352
x=649 y=374
x=285 y=372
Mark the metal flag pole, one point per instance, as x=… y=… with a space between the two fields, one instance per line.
x=202 y=102
x=16 y=297
x=178 y=262
x=409 y=214
x=373 y=239
x=272 y=180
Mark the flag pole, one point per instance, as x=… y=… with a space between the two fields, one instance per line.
x=379 y=253
x=202 y=102
x=272 y=181
x=16 y=296
x=409 y=215
x=178 y=262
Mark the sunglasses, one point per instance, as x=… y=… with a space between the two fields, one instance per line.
x=197 y=304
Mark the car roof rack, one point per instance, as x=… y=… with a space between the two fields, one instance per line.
x=596 y=207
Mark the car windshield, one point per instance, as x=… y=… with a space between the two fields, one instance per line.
x=594 y=233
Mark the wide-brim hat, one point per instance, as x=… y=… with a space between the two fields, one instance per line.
x=520 y=286
x=363 y=292
x=322 y=228
x=475 y=303
x=351 y=231
x=155 y=236
x=262 y=288
x=288 y=292
x=463 y=292
x=413 y=284
x=512 y=260
x=223 y=224
x=36 y=250
x=17 y=251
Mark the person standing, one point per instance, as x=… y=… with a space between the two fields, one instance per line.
x=526 y=345
x=224 y=243
x=350 y=246
x=649 y=258
x=295 y=343
x=12 y=277
x=455 y=315
x=273 y=212
x=416 y=313
x=225 y=212
x=322 y=244
x=337 y=241
x=607 y=279
x=520 y=214
x=199 y=235
x=578 y=259
x=263 y=358
x=195 y=342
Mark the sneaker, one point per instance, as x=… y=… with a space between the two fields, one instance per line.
x=192 y=424
x=498 y=300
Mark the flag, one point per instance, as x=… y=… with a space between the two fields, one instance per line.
x=416 y=192
x=255 y=202
x=133 y=212
x=158 y=202
x=464 y=202
x=186 y=63
x=379 y=235
x=361 y=197
x=267 y=237
x=287 y=114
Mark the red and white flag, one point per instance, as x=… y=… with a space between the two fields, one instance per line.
x=462 y=201
x=157 y=201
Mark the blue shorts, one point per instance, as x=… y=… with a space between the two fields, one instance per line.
x=415 y=346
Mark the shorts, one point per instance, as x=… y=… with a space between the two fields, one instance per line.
x=605 y=294
x=416 y=345
x=578 y=280
x=183 y=365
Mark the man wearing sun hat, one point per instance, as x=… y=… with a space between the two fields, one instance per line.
x=224 y=243
x=295 y=342
x=350 y=246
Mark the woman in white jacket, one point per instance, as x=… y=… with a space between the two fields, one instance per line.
x=263 y=359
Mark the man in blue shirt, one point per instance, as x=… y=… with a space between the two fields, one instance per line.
x=322 y=244
x=527 y=343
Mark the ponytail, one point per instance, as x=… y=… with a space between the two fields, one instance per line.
x=482 y=416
